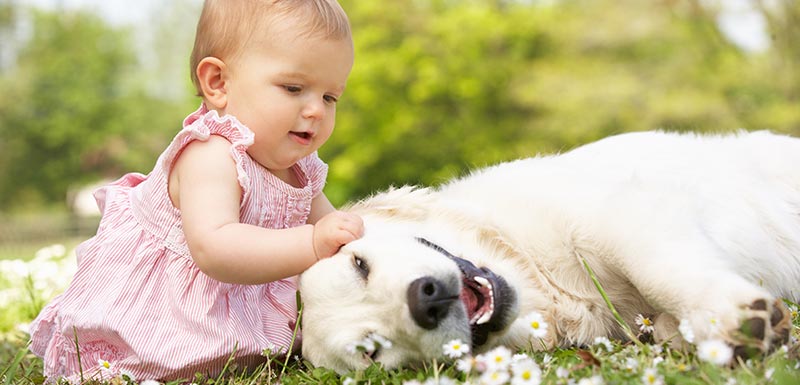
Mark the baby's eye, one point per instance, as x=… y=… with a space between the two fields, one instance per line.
x=330 y=99
x=292 y=89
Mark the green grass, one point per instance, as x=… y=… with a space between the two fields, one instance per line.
x=621 y=364
x=624 y=364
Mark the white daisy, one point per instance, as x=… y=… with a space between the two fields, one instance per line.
x=537 y=324
x=442 y=380
x=594 y=380
x=455 y=349
x=631 y=364
x=645 y=324
x=365 y=345
x=369 y=344
x=715 y=351
x=105 y=367
x=686 y=331
x=651 y=377
x=526 y=372
x=714 y=323
x=495 y=377
x=127 y=377
x=498 y=358
x=604 y=342
x=348 y=381
x=382 y=341
x=657 y=349
x=465 y=364
x=522 y=357
x=562 y=372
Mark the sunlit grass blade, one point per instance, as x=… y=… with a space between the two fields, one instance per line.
x=10 y=371
x=617 y=316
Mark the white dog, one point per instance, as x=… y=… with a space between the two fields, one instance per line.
x=704 y=229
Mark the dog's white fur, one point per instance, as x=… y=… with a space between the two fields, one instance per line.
x=674 y=226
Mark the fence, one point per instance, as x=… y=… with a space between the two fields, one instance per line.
x=21 y=236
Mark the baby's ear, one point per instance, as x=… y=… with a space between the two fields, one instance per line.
x=210 y=73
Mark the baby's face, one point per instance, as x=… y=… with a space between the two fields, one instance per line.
x=285 y=87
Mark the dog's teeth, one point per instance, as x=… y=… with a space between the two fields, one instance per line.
x=485 y=318
x=482 y=281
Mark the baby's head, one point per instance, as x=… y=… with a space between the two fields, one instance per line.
x=226 y=27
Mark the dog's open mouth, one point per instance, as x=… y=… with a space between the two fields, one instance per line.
x=487 y=297
x=478 y=299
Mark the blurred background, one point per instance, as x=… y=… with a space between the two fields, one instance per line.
x=92 y=89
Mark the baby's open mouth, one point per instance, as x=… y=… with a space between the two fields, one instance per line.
x=303 y=135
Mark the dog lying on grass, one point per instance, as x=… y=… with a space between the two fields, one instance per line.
x=702 y=231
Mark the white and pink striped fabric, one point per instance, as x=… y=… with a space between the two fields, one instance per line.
x=138 y=301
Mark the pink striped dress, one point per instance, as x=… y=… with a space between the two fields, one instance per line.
x=139 y=304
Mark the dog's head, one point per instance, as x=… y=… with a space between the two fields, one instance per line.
x=397 y=300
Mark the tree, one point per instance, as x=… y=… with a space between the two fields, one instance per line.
x=67 y=94
x=440 y=87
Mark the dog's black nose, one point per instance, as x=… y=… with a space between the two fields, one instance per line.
x=429 y=301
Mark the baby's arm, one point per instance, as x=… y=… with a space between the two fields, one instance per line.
x=204 y=186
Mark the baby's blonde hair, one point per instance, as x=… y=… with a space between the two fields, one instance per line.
x=225 y=26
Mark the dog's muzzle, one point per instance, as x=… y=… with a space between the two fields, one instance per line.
x=486 y=296
x=429 y=301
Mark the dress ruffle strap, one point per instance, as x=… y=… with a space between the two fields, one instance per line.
x=203 y=123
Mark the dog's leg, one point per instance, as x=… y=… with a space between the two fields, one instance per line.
x=703 y=289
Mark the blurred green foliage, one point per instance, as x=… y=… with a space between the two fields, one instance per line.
x=439 y=87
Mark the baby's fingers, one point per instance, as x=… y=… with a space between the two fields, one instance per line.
x=354 y=225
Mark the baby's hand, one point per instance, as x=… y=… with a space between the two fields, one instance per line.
x=335 y=230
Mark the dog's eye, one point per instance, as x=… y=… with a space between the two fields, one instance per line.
x=361 y=266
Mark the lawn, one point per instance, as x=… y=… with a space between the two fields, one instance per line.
x=26 y=285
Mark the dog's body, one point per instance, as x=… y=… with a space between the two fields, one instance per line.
x=676 y=227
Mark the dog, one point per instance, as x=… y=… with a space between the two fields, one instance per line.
x=702 y=230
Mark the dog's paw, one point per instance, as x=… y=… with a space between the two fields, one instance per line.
x=764 y=326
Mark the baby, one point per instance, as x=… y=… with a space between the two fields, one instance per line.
x=195 y=262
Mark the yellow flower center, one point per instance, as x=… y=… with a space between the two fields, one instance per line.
x=456 y=347
x=535 y=324
x=647 y=322
x=498 y=359
x=526 y=375
x=106 y=364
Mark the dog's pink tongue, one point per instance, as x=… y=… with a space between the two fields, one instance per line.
x=470 y=300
